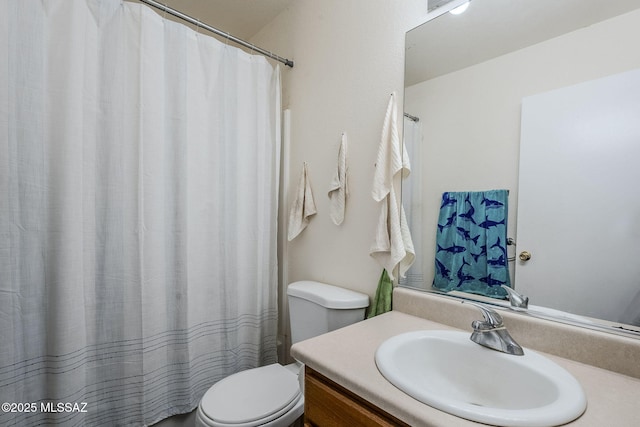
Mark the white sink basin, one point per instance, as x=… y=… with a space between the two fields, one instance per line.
x=447 y=371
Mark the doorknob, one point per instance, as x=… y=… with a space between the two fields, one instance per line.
x=524 y=256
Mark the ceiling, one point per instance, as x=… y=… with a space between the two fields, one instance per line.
x=491 y=28
x=240 y=18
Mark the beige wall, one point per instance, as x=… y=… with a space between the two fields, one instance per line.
x=471 y=118
x=349 y=57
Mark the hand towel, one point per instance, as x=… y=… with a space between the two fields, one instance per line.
x=338 y=190
x=303 y=207
x=392 y=157
x=382 y=300
x=392 y=244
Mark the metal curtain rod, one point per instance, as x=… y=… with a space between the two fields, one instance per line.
x=410 y=117
x=227 y=36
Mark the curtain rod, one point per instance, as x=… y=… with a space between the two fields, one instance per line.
x=227 y=36
x=410 y=117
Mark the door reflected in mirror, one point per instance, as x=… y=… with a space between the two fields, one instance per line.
x=473 y=81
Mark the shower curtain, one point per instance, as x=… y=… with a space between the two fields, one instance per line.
x=138 y=189
x=412 y=201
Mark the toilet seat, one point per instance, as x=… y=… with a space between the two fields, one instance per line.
x=251 y=398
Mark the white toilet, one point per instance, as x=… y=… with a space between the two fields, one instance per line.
x=272 y=395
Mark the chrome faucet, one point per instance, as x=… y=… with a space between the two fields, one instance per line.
x=517 y=300
x=492 y=333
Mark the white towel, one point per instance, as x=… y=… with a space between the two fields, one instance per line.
x=392 y=244
x=338 y=190
x=303 y=207
x=392 y=158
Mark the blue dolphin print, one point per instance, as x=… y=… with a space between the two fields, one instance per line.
x=467 y=235
x=448 y=223
x=468 y=215
x=496 y=262
x=483 y=252
x=463 y=277
x=491 y=203
x=491 y=281
x=487 y=223
x=498 y=245
x=447 y=200
x=452 y=249
x=442 y=270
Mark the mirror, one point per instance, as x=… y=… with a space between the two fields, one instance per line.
x=467 y=78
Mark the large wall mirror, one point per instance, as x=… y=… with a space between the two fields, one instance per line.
x=541 y=98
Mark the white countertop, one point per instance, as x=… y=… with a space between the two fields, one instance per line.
x=346 y=356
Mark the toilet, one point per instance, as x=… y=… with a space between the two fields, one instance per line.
x=272 y=395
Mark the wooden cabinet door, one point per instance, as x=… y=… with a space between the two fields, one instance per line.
x=328 y=404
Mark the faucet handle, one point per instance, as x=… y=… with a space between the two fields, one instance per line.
x=517 y=300
x=492 y=318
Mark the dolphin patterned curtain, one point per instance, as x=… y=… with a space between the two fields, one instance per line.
x=471 y=248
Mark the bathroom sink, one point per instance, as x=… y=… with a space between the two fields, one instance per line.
x=447 y=371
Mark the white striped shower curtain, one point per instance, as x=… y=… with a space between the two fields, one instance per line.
x=138 y=197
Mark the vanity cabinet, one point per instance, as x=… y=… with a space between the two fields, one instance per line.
x=329 y=404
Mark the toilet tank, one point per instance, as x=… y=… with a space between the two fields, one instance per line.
x=316 y=308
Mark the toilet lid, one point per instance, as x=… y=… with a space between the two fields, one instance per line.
x=255 y=394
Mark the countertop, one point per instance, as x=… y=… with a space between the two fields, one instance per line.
x=346 y=356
